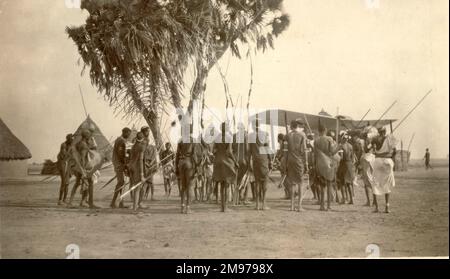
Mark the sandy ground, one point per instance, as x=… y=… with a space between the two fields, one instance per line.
x=32 y=226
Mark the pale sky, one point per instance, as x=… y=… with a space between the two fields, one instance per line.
x=334 y=54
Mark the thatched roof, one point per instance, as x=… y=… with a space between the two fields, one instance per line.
x=11 y=148
x=103 y=144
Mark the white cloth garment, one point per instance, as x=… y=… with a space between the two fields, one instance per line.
x=379 y=172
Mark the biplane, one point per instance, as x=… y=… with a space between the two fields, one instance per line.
x=279 y=118
x=282 y=118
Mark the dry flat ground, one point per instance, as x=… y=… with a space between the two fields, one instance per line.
x=32 y=226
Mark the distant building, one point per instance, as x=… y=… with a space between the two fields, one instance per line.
x=324 y=113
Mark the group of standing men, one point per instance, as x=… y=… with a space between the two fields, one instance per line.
x=237 y=163
x=139 y=165
x=240 y=162
x=82 y=160
x=329 y=166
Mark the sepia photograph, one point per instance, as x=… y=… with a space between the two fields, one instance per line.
x=224 y=129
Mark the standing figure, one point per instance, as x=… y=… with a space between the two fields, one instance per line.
x=297 y=162
x=87 y=162
x=64 y=167
x=167 y=162
x=200 y=181
x=120 y=165
x=346 y=170
x=383 y=168
x=150 y=163
x=366 y=160
x=281 y=161
x=225 y=165
x=314 y=185
x=260 y=163
x=208 y=171
x=427 y=159
x=136 y=169
x=336 y=160
x=187 y=160
x=324 y=150
x=240 y=151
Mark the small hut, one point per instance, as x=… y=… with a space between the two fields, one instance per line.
x=401 y=160
x=14 y=154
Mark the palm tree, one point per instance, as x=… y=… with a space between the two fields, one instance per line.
x=138 y=51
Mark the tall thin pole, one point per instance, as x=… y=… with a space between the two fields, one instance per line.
x=82 y=101
x=337 y=125
x=307 y=123
x=401 y=154
x=359 y=123
x=384 y=113
x=406 y=116
x=410 y=141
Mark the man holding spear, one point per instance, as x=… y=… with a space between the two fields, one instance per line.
x=136 y=169
x=150 y=163
x=119 y=162
x=187 y=161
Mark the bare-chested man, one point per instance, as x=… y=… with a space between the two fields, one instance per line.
x=64 y=168
x=325 y=148
x=296 y=161
x=346 y=171
x=150 y=163
x=167 y=162
x=187 y=160
x=137 y=171
x=119 y=163
x=84 y=170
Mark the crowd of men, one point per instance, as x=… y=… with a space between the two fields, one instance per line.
x=232 y=167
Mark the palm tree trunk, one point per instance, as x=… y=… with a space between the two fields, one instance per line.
x=202 y=75
x=199 y=86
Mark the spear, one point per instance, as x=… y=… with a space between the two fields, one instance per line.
x=307 y=123
x=409 y=113
x=384 y=113
x=47 y=178
x=135 y=186
x=360 y=121
x=107 y=183
x=123 y=186
x=285 y=149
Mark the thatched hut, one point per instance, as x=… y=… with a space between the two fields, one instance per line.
x=14 y=154
x=103 y=145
